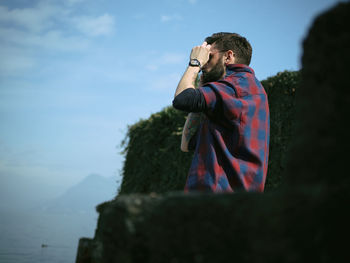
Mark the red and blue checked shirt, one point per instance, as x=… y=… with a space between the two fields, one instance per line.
x=232 y=144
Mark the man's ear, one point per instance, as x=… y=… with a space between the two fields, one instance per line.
x=229 y=57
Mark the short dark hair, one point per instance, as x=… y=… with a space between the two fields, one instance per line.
x=225 y=41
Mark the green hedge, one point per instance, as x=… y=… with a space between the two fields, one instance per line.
x=281 y=94
x=154 y=162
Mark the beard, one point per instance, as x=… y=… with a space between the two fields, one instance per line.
x=214 y=74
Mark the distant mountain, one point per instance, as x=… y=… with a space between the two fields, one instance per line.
x=84 y=196
x=19 y=192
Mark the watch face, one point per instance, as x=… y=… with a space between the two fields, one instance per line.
x=194 y=62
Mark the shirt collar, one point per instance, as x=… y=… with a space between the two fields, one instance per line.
x=238 y=68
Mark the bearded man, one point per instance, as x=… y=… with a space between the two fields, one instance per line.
x=228 y=125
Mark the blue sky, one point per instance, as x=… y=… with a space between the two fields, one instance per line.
x=75 y=73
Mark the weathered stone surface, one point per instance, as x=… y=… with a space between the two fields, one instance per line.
x=321 y=148
x=276 y=227
x=305 y=221
x=84 y=250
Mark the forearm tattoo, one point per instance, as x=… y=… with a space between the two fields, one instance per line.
x=193 y=119
x=192 y=125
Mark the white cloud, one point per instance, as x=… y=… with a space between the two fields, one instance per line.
x=47 y=26
x=53 y=39
x=193 y=1
x=48 y=17
x=173 y=58
x=95 y=26
x=152 y=67
x=138 y=16
x=166 y=83
x=14 y=61
x=167 y=18
x=34 y=19
x=165 y=59
x=73 y=2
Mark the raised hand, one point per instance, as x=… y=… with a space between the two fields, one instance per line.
x=201 y=53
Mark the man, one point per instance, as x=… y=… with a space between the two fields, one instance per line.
x=228 y=126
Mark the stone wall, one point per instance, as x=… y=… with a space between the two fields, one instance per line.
x=275 y=227
x=320 y=152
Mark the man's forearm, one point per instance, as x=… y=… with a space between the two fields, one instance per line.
x=199 y=54
x=188 y=80
x=191 y=125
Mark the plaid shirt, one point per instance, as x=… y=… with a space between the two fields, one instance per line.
x=232 y=143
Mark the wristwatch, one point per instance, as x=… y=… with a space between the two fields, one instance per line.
x=194 y=63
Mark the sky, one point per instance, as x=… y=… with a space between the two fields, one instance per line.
x=75 y=73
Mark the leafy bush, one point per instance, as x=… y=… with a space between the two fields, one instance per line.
x=154 y=162
x=281 y=91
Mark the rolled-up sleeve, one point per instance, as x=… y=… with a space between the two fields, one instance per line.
x=190 y=100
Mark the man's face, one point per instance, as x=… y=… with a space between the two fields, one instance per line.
x=215 y=67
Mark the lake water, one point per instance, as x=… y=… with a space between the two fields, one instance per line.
x=22 y=236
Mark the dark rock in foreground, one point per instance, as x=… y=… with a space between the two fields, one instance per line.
x=278 y=227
